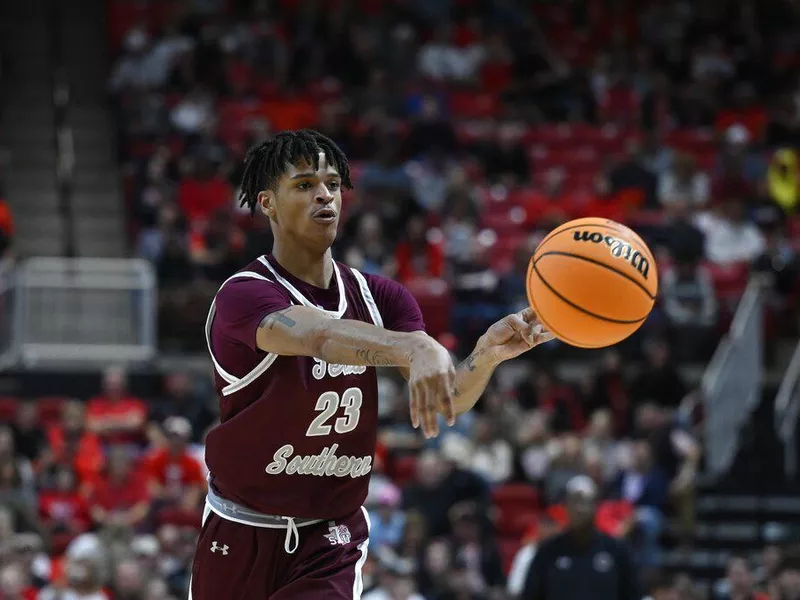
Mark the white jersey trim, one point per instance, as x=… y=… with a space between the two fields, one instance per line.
x=358 y=581
x=337 y=314
x=235 y=383
x=366 y=294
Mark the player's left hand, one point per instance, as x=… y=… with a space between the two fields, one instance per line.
x=515 y=334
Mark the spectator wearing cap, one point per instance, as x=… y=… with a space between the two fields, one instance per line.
x=387 y=521
x=175 y=476
x=582 y=562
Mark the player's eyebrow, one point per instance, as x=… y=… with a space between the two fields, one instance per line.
x=308 y=174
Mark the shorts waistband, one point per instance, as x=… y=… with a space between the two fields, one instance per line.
x=227 y=509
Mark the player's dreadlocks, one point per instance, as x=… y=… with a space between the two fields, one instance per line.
x=266 y=162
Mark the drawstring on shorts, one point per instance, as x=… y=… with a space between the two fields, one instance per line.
x=291 y=532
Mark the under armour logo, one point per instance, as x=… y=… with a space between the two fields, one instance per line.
x=337 y=534
x=223 y=549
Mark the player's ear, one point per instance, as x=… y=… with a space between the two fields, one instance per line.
x=266 y=200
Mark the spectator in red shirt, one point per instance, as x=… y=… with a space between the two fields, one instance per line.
x=62 y=508
x=71 y=444
x=175 y=476
x=203 y=192
x=417 y=255
x=120 y=499
x=115 y=415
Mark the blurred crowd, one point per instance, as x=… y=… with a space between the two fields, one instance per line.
x=470 y=136
x=101 y=498
x=472 y=129
x=96 y=494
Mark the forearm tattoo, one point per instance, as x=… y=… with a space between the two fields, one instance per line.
x=469 y=362
x=374 y=358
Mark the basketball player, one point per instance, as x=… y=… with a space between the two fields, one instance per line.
x=295 y=338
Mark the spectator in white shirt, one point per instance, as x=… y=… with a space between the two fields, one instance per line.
x=193 y=113
x=730 y=237
x=441 y=60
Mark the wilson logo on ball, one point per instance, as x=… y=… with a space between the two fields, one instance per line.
x=618 y=248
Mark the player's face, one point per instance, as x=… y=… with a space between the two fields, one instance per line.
x=307 y=203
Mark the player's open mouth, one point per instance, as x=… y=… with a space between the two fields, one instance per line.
x=325 y=215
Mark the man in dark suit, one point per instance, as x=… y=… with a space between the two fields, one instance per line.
x=581 y=563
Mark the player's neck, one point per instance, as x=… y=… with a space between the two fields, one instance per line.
x=309 y=266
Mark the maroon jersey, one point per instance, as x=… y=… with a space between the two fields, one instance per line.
x=296 y=435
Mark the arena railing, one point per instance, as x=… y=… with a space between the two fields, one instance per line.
x=7 y=289
x=787 y=412
x=84 y=310
x=732 y=382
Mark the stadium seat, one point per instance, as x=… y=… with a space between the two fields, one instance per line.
x=516 y=494
x=729 y=280
x=179 y=517
x=515 y=520
x=50 y=409
x=518 y=506
x=433 y=296
x=474 y=105
x=404 y=469
x=8 y=409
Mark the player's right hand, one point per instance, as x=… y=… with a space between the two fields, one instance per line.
x=431 y=384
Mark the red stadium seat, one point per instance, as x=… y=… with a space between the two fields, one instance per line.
x=8 y=409
x=514 y=521
x=474 y=105
x=404 y=469
x=433 y=296
x=50 y=409
x=179 y=517
x=518 y=506
x=729 y=280
x=506 y=222
x=519 y=495
x=794 y=228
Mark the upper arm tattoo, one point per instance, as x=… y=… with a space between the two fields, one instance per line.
x=277 y=317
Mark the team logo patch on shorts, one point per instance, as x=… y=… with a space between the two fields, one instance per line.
x=337 y=534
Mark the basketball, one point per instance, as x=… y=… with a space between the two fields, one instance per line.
x=592 y=282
